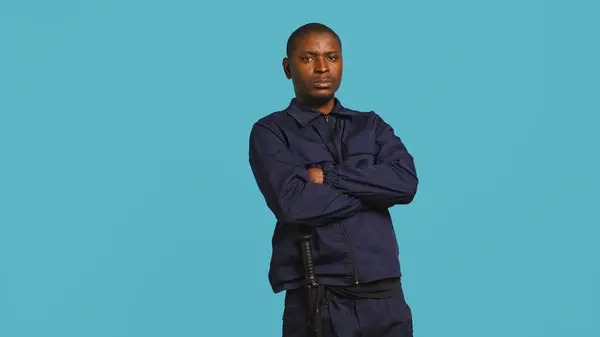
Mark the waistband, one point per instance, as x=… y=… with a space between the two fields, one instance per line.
x=385 y=288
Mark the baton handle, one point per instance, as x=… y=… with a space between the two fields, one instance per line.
x=307 y=257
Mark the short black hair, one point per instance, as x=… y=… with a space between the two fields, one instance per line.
x=302 y=31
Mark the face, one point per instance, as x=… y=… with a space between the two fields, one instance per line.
x=315 y=67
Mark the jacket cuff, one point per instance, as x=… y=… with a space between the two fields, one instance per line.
x=330 y=176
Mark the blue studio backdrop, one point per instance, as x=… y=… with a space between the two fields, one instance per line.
x=128 y=208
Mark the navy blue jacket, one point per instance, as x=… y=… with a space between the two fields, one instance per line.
x=367 y=169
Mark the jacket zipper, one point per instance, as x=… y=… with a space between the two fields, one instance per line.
x=341 y=225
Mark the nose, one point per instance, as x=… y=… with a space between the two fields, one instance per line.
x=321 y=65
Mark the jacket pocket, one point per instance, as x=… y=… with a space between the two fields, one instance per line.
x=360 y=151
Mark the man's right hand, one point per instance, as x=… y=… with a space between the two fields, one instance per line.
x=315 y=175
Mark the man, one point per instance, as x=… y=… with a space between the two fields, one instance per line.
x=334 y=172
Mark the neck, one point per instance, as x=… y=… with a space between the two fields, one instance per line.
x=323 y=105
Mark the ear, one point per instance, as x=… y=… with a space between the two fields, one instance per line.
x=286 y=68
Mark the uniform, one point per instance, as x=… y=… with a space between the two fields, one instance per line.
x=367 y=169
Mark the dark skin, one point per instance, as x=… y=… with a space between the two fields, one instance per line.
x=315 y=68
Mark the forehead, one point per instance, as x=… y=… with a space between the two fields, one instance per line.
x=317 y=42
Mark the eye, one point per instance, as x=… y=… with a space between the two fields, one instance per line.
x=308 y=58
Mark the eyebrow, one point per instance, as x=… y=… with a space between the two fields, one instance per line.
x=311 y=52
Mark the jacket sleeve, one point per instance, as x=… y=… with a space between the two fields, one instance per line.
x=284 y=183
x=391 y=180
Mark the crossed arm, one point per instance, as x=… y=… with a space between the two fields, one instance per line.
x=390 y=181
x=320 y=195
x=286 y=186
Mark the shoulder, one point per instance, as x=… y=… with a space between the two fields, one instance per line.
x=271 y=118
x=271 y=124
x=366 y=118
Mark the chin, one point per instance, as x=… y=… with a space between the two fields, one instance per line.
x=319 y=99
x=322 y=95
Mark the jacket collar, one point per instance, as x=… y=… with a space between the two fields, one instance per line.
x=304 y=114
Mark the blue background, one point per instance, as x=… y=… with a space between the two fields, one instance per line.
x=127 y=206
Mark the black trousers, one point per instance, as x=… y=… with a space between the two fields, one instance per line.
x=345 y=317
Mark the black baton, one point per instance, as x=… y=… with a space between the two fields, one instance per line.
x=314 y=290
x=307 y=257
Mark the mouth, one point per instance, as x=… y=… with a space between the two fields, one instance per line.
x=323 y=83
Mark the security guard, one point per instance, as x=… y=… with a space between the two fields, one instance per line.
x=331 y=174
